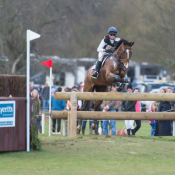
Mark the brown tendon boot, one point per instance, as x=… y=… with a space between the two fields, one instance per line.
x=78 y=129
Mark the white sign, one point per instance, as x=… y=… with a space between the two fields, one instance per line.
x=7 y=113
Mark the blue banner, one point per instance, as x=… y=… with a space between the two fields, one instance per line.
x=7 y=113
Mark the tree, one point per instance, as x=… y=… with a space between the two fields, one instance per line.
x=11 y=32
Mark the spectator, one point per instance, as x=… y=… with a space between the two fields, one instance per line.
x=109 y=106
x=57 y=105
x=32 y=87
x=163 y=127
x=40 y=91
x=137 y=109
x=153 y=122
x=170 y=90
x=129 y=90
x=163 y=91
x=67 y=89
x=40 y=94
x=45 y=97
x=130 y=106
x=36 y=109
x=79 y=86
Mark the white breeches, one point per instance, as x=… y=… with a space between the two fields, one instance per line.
x=100 y=56
x=129 y=124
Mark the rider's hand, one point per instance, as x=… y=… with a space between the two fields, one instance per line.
x=108 y=51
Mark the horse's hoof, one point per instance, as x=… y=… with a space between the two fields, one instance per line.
x=93 y=126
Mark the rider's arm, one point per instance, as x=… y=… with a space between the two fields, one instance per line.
x=101 y=46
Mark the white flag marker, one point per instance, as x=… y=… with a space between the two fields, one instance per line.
x=30 y=36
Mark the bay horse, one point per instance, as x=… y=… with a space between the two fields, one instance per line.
x=112 y=73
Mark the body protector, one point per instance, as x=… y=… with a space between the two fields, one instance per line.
x=106 y=41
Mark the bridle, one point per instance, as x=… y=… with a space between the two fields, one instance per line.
x=122 y=57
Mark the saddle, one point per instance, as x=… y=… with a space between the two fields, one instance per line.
x=105 y=56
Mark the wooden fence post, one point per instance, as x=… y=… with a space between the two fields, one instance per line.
x=73 y=115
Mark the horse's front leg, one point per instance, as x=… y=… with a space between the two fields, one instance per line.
x=122 y=84
x=116 y=79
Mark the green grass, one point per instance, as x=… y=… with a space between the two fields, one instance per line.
x=93 y=154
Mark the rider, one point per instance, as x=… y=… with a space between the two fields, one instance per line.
x=110 y=40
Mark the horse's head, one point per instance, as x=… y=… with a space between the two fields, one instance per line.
x=124 y=52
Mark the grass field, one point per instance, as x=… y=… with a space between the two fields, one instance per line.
x=93 y=154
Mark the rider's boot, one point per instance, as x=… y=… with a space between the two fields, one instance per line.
x=97 y=68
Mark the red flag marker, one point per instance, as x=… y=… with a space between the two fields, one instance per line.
x=47 y=63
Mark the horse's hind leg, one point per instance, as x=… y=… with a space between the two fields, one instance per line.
x=98 y=103
x=81 y=122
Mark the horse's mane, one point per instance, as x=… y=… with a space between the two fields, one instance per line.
x=120 y=42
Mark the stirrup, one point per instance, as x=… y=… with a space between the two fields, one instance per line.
x=94 y=76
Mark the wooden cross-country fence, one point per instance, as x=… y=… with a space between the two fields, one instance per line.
x=73 y=115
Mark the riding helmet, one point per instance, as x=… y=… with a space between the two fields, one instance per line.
x=112 y=30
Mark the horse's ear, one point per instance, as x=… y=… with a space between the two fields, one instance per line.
x=132 y=43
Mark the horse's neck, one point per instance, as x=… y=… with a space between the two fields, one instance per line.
x=118 y=52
